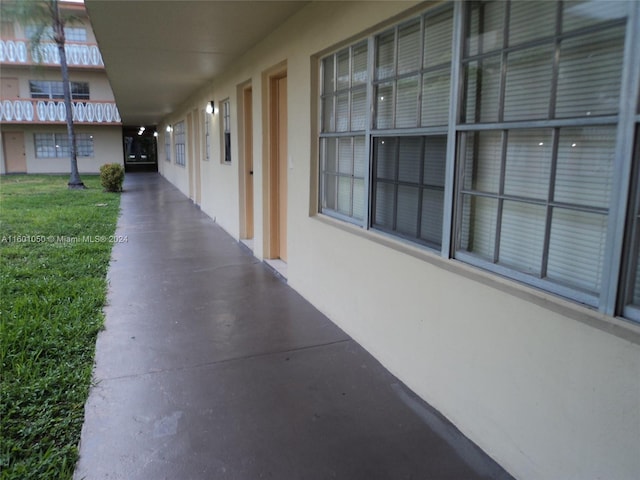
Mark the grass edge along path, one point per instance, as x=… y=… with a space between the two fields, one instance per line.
x=55 y=247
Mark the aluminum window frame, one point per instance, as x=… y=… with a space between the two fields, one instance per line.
x=53 y=90
x=179 y=140
x=225 y=156
x=58 y=143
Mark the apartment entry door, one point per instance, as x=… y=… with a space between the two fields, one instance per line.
x=15 y=160
x=278 y=166
x=246 y=169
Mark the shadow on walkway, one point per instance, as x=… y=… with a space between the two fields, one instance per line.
x=211 y=367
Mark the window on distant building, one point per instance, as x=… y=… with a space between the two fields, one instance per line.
x=496 y=135
x=54 y=90
x=226 y=130
x=71 y=34
x=75 y=34
x=179 y=140
x=56 y=145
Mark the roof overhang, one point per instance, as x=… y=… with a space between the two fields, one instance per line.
x=158 y=53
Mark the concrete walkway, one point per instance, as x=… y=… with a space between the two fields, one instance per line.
x=211 y=367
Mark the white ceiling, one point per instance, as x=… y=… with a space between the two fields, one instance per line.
x=158 y=52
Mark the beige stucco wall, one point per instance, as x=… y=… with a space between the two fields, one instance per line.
x=548 y=388
x=107 y=146
x=99 y=87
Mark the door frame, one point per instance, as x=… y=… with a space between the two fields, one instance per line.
x=271 y=241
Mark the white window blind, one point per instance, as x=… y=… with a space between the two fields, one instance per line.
x=536 y=200
x=413 y=86
x=590 y=72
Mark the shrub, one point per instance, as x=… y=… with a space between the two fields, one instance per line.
x=112 y=176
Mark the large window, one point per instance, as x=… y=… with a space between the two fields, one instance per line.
x=179 y=140
x=55 y=90
x=535 y=199
x=56 y=145
x=399 y=149
x=497 y=135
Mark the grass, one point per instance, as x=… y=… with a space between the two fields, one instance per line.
x=54 y=255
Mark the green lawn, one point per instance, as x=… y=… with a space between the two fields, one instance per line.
x=54 y=255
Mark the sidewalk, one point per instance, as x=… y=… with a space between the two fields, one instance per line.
x=211 y=367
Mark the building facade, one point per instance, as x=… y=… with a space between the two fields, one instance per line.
x=455 y=184
x=32 y=114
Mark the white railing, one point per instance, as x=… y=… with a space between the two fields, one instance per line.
x=53 y=111
x=78 y=55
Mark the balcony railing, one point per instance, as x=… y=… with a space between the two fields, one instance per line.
x=18 y=52
x=53 y=111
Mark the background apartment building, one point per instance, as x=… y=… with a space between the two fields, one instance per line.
x=32 y=113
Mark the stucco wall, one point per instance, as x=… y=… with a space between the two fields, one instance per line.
x=548 y=388
x=107 y=146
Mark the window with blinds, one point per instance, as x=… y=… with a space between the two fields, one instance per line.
x=167 y=146
x=408 y=196
x=412 y=92
x=48 y=89
x=226 y=131
x=536 y=200
x=179 y=141
x=412 y=73
x=56 y=145
x=533 y=185
x=343 y=152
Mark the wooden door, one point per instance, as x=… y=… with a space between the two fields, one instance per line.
x=189 y=153
x=9 y=88
x=278 y=167
x=197 y=158
x=15 y=160
x=247 y=171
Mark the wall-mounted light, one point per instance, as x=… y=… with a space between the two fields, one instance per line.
x=155 y=134
x=210 y=107
x=169 y=129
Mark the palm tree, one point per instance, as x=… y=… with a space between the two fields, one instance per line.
x=45 y=15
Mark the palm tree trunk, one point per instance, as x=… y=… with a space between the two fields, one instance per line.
x=74 y=179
